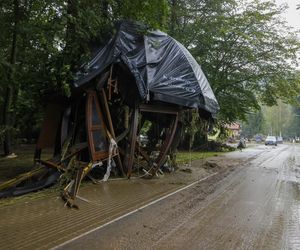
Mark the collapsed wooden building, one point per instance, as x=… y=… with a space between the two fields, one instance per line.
x=139 y=77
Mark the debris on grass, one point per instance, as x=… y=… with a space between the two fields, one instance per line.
x=186 y=170
x=211 y=165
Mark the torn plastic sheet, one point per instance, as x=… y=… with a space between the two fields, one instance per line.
x=112 y=147
x=162 y=67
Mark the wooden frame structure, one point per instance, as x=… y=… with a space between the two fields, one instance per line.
x=100 y=133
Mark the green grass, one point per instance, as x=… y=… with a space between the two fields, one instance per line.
x=10 y=168
x=186 y=157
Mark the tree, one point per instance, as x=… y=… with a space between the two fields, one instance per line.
x=43 y=43
x=10 y=89
x=254 y=124
x=281 y=119
x=247 y=52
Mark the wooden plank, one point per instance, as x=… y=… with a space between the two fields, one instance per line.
x=132 y=138
x=158 y=109
x=166 y=146
x=111 y=129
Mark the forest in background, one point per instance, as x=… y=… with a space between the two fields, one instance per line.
x=246 y=50
x=282 y=119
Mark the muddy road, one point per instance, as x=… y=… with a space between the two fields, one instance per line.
x=256 y=206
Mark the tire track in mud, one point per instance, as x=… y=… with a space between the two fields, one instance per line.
x=89 y=217
x=45 y=223
x=153 y=229
x=283 y=230
x=214 y=202
x=292 y=230
x=267 y=218
x=249 y=235
x=264 y=157
x=180 y=218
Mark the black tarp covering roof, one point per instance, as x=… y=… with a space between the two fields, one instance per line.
x=161 y=66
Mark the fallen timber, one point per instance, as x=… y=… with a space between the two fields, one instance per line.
x=137 y=82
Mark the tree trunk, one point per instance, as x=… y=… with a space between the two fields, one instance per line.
x=8 y=99
x=71 y=49
x=7 y=121
x=173 y=7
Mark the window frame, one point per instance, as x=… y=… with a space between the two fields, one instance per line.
x=100 y=154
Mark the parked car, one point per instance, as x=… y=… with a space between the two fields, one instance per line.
x=271 y=140
x=258 y=138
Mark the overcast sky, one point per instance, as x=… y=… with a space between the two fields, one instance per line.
x=292 y=15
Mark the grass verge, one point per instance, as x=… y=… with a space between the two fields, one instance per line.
x=12 y=167
x=186 y=157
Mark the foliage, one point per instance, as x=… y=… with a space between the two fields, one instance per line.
x=254 y=125
x=21 y=164
x=154 y=13
x=247 y=52
x=53 y=39
x=282 y=119
x=186 y=157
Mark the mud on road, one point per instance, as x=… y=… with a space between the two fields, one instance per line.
x=248 y=200
x=40 y=221
x=256 y=206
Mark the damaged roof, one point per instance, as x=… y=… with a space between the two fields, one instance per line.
x=162 y=67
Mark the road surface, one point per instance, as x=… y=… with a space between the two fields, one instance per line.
x=256 y=206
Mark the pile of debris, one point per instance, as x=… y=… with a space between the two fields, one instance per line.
x=140 y=80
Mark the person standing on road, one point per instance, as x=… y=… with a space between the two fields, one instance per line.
x=241 y=144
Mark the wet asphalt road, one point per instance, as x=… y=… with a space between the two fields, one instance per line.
x=256 y=206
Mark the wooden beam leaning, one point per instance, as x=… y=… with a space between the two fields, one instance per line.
x=111 y=129
x=70 y=192
x=166 y=146
x=158 y=109
x=170 y=136
x=141 y=152
x=132 y=137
